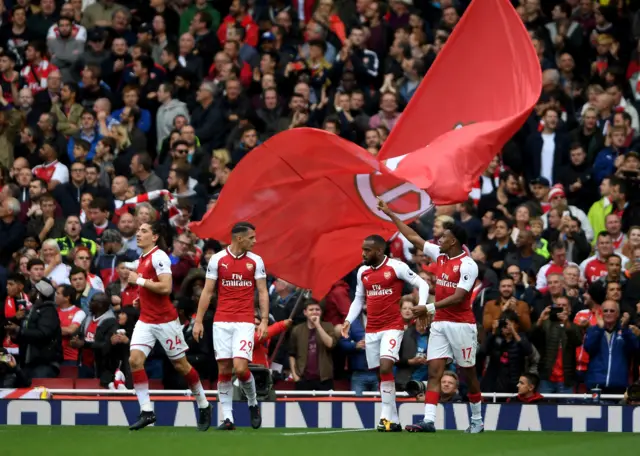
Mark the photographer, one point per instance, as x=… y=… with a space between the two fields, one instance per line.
x=40 y=336
x=11 y=376
x=493 y=310
x=413 y=354
x=557 y=339
x=507 y=350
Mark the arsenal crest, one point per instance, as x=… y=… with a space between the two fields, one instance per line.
x=456 y=268
x=387 y=275
x=250 y=266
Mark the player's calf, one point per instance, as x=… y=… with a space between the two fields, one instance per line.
x=389 y=420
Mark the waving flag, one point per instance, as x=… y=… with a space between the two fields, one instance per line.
x=312 y=195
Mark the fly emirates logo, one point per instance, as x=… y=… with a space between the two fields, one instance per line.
x=237 y=281
x=445 y=282
x=377 y=290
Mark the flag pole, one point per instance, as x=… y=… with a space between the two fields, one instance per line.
x=304 y=295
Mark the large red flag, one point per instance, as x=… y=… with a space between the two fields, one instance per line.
x=311 y=195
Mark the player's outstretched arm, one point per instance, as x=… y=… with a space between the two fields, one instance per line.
x=405 y=230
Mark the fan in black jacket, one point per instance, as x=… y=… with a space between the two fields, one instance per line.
x=40 y=336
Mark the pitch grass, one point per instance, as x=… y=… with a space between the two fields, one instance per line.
x=161 y=441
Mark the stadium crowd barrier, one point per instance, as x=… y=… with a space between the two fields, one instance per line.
x=317 y=409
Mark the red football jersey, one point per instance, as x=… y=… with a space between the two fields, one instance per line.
x=452 y=273
x=35 y=78
x=235 y=278
x=68 y=316
x=155 y=308
x=381 y=288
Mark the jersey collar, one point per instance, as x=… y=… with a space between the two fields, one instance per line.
x=234 y=256
x=381 y=264
x=149 y=252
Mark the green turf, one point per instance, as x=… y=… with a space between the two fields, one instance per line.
x=98 y=441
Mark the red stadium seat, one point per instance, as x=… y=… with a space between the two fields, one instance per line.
x=285 y=386
x=88 y=383
x=68 y=372
x=52 y=383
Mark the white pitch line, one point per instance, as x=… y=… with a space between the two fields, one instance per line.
x=341 y=431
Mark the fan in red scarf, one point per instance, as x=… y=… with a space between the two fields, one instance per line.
x=15 y=306
x=38 y=68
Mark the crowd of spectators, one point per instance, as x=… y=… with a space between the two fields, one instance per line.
x=118 y=114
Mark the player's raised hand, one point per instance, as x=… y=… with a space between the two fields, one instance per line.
x=198 y=331
x=383 y=206
x=344 y=332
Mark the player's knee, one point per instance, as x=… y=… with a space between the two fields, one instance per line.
x=136 y=360
x=181 y=365
x=386 y=367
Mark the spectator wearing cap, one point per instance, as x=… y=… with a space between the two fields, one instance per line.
x=576 y=177
x=40 y=336
x=198 y=5
x=540 y=187
x=113 y=250
x=558 y=200
x=96 y=52
x=546 y=151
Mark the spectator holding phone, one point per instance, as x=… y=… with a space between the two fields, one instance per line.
x=560 y=338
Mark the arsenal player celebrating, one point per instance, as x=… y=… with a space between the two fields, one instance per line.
x=454 y=334
x=236 y=272
x=158 y=322
x=380 y=283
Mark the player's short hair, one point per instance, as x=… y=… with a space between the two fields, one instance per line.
x=457 y=231
x=242 y=228
x=377 y=240
x=533 y=379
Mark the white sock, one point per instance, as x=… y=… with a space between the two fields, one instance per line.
x=198 y=392
x=249 y=388
x=389 y=409
x=142 y=392
x=430 y=413
x=476 y=411
x=225 y=397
